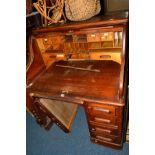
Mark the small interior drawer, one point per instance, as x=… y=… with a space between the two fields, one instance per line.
x=106 y=36
x=53 y=40
x=49 y=57
x=115 y=56
x=94 y=37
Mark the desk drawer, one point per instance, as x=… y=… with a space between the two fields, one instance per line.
x=103 y=129
x=104 y=110
x=106 y=138
x=53 y=40
x=115 y=56
x=104 y=121
x=51 y=57
x=100 y=110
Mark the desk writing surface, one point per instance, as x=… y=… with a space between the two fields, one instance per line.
x=80 y=83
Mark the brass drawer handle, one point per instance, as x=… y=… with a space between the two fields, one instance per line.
x=102 y=120
x=104 y=138
x=103 y=130
x=102 y=110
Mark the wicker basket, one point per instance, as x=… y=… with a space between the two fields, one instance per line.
x=78 y=10
x=29 y=6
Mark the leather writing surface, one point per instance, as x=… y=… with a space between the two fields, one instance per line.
x=63 y=111
x=81 y=83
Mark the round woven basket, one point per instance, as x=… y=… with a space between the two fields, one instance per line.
x=78 y=10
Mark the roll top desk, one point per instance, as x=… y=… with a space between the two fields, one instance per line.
x=81 y=64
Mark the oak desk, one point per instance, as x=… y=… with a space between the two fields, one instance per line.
x=80 y=64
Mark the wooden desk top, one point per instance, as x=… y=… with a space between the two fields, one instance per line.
x=106 y=20
x=62 y=82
